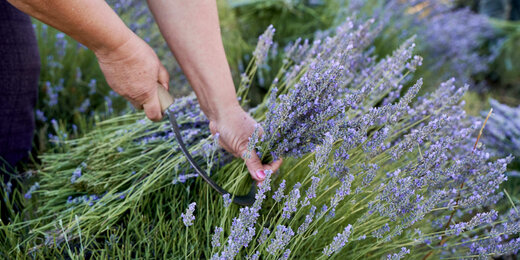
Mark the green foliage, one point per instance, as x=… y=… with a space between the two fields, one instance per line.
x=507 y=64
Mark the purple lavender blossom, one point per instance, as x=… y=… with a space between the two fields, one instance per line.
x=291 y=202
x=286 y=254
x=40 y=116
x=92 y=199
x=89 y=200
x=227 y=200
x=264 y=43
x=497 y=241
x=477 y=220
x=283 y=235
x=52 y=94
x=182 y=178
x=382 y=230
x=292 y=122
x=242 y=228
x=61 y=44
x=92 y=87
x=253 y=141
x=108 y=102
x=311 y=191
x=263 y=237
x=279 y=194
x=215 y=239
x=85 y=105
x=339 y=241
x=396 y=256
x=76 y=175
x=322 y=151
x=341 y=192
x=188 y=217
x=31 y=190
x=308 y=219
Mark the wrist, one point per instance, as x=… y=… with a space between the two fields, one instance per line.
x=223 y=109
x=117 y=49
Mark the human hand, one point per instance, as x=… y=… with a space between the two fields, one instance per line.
x=133 y=70
x=235 y=127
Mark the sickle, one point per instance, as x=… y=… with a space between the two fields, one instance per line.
x=166 y=101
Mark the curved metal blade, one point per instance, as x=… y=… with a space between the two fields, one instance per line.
x=245 y=200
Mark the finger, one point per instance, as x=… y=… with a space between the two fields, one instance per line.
x=254 y=165
x=164 y=76
x=274 y=165
x=152 y=108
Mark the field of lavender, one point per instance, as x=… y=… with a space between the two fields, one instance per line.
x=380 y=109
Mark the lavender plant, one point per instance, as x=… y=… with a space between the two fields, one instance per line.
x=450 y=48
x=372 y=172
x=503 y=136
x=504 y=129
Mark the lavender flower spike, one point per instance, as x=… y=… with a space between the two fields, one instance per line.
x=311 y=192
x=278 y=195
x=243 y=226
x=396 y=256
x=215 y=239
x=286 y=254
x=188 y=217
x=283 y=236
x=75 y=175
x=227 y=200
x=339 y=241
x=32 y=189
x=308 y=219
x=291 y=202
x=264 y=235
x=253 y=141
x=264 y=43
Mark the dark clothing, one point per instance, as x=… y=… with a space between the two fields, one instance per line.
x=19 y=72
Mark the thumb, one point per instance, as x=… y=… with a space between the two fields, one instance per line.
x=164 y=77
x=255 y=167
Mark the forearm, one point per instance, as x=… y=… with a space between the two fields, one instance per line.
x=191 y=29
x=91 y=22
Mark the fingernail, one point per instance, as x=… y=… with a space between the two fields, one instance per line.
x=260 y=174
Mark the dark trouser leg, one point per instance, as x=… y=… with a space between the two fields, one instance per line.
x=19 y=72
